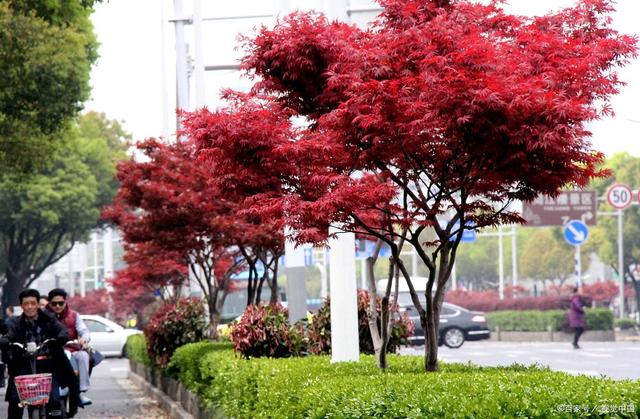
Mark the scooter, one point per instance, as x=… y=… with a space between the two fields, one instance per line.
x=34 y=389
x=64 y=391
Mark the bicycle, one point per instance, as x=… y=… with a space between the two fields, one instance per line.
x=34 y=389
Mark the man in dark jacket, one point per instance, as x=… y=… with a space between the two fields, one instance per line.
x=35 y=325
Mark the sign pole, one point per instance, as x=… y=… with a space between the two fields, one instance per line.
x=576 y=233
x=501 y=262
x=514 y=257
x=578 y=267
x=621 y=263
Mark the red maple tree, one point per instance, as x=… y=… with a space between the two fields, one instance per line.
x=94 y=302
x=175 y=221
x=151 y=272
x=438 y=116
x=237 y=143
x=602 y=291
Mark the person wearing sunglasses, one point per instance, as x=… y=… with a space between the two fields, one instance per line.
x=77 y=329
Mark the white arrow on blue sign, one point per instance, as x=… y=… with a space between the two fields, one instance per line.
x=576 y=232
x=468 y=236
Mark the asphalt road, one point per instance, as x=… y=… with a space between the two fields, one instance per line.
x=618 y=360
x=113 y=395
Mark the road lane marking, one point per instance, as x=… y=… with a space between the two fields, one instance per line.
x=591 y=354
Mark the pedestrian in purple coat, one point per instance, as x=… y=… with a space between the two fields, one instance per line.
x=576 y=316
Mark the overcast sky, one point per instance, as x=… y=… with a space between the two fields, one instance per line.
x=128 y=85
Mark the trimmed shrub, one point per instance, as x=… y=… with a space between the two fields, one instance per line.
x=599 y=319
x=539 y=321
x=625 y=324
x=137 y=349
x=174 y=325
x=319 y=327
x=264 y=330
x=312 y=387
x=185 y=362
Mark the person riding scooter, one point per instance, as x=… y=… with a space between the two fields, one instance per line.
x=37 y=326
x=76 y=329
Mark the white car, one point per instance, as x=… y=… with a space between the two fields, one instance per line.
x=106 y=336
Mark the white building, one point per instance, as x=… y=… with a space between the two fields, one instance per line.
x=87 y=266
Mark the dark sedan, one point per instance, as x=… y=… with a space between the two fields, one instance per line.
x=457 y=324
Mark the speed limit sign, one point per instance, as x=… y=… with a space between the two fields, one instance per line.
x=619 y=196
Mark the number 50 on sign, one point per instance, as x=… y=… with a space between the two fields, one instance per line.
x=619 y=196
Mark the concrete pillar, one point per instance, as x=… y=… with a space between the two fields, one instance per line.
x=296 y=284
x=344 y=299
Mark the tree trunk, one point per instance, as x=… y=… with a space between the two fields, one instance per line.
x=11 y=289
x=384 y=330
x=263 y=278
x=385 y=323
x=379 y=348
x=214 y=312
x=274 y=282
x=430 y=340
x=251 y=284
x=636 y=286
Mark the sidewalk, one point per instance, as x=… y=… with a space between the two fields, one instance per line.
x=113 y=395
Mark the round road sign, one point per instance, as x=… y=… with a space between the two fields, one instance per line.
x=576 y=232
x=619 y=196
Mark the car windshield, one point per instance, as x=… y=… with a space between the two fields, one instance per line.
x=404 y=299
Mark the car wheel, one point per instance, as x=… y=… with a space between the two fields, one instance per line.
x=453 y=337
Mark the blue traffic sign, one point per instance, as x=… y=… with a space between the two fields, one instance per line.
x=468 y=236
x=308 y=256
x=576 y=232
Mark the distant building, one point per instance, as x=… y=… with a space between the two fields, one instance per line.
x=87 y=265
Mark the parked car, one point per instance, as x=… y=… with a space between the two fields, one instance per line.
x=106 y=336
x=457 y=324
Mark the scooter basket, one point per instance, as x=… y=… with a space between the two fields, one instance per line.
x=34 y=389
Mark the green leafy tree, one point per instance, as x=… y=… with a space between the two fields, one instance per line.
x=604 y=237
x=42 y=216
x=46 y=52
x=546 y=257
x=477 y=263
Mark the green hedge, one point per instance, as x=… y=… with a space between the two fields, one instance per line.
x=539 y=321
x=137 y=349
x=625 y=324
x=312 y=387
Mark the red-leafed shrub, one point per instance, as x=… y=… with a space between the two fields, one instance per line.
x=174 y=325
x=601 y=292
x=94 y=302
x=319 y=329
x=517 y=291
x=473 y=300
x=566 y=289
x=490 y=301
x=264 y=330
